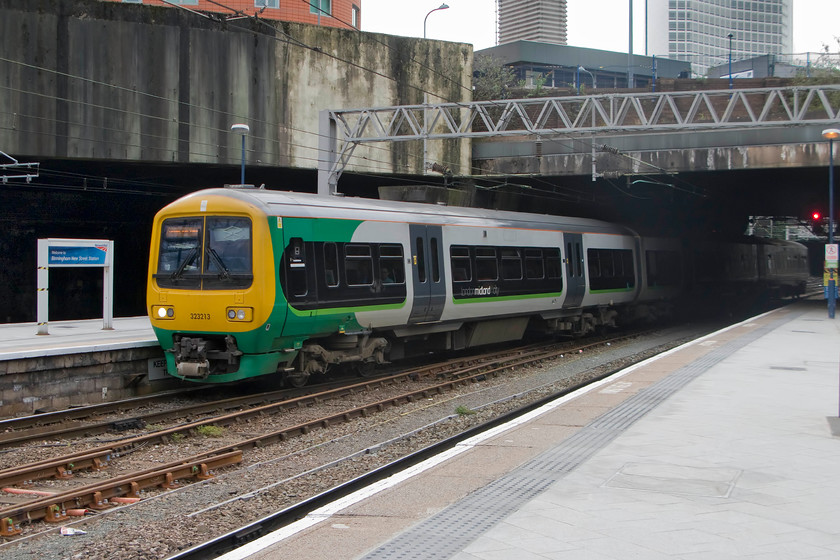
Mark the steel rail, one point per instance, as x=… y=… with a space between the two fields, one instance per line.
x=51 y=507
x=252 y=531
x=98 y=495
x=14 y=437
x=41 y=421
x=98 y=458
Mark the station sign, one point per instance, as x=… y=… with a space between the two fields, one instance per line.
x=831 y=255
x=62 y=253
x=92 y=254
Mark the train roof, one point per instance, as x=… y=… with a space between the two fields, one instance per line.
x=296 y=204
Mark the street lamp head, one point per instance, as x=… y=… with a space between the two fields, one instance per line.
x=730 y=36
x=243 y=128
x=441 y=7
x=831 y=133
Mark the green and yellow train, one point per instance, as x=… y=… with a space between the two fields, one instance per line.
x=247 y=282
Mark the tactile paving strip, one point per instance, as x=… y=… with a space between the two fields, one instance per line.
x=450 y=531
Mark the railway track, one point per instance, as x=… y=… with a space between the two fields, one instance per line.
x=56 y=507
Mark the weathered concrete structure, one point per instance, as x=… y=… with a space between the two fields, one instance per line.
x=106 y=81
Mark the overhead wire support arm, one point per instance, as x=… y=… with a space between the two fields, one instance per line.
x=15 y=165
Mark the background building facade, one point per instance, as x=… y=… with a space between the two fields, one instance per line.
x=543 y=21
x=697 y=31
x=345 y=14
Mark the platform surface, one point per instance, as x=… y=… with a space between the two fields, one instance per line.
x=21 y=340
x=719 y=449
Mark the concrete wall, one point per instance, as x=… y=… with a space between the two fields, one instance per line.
x=102 y=80
x=678 y=152
x=58 y=382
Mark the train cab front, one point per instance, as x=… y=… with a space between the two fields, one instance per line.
x=211 y=291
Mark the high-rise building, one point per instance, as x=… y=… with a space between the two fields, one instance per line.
x=543 y=21
x=698 y=31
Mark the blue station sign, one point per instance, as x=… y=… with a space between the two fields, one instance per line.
x=96 y=255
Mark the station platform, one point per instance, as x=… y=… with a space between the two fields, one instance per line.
x=77 y=363
x=21 y=340
x=721 y=448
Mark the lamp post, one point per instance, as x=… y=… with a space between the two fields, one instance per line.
x=630 y=51
x=730 y=60
x=831 y=134
x=582 y=69
x=426 y=96
x=244 y=129
x=441 y=7
x=653 y=67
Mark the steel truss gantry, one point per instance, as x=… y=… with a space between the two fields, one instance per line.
x=552 y=117
x=13 y=170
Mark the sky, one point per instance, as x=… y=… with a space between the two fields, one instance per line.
x=595 y=24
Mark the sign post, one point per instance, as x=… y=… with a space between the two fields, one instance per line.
x=66 y=253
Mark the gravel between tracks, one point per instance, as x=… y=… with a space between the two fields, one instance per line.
x=278 y=476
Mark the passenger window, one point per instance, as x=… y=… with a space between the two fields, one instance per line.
x=553 y=263
x=420 y=260
x=433 y=244
x=534 y=268
x=486 y=268
x=460 y=261
x=391 y=268
x=570 y=271
x=663 y=268
x=511 y=264
x=358 y=265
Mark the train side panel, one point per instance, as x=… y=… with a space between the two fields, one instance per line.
x=612 y=269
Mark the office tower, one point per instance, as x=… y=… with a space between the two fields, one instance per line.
x=697 y=31
x=532 y=20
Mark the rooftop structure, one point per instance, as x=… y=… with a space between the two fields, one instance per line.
x=330 y=13
x=590 y=69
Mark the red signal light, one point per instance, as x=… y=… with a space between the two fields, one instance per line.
x=816 y=216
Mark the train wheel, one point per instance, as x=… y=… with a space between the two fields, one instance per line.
x=297 y=380
x=365 y=369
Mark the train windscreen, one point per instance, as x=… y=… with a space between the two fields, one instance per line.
x=212 y=253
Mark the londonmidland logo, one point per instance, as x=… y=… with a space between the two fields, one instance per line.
x=480 y=291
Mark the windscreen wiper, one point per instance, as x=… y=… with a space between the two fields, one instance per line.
x=214 y=256
x=190 y=256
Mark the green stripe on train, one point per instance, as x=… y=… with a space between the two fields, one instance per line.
x=480 y=299
x=344 y=310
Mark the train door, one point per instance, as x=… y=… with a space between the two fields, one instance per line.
x=575 y=278
x=427 y=271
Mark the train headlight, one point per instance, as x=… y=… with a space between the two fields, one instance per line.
x=240 y=314
x=163 y=312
